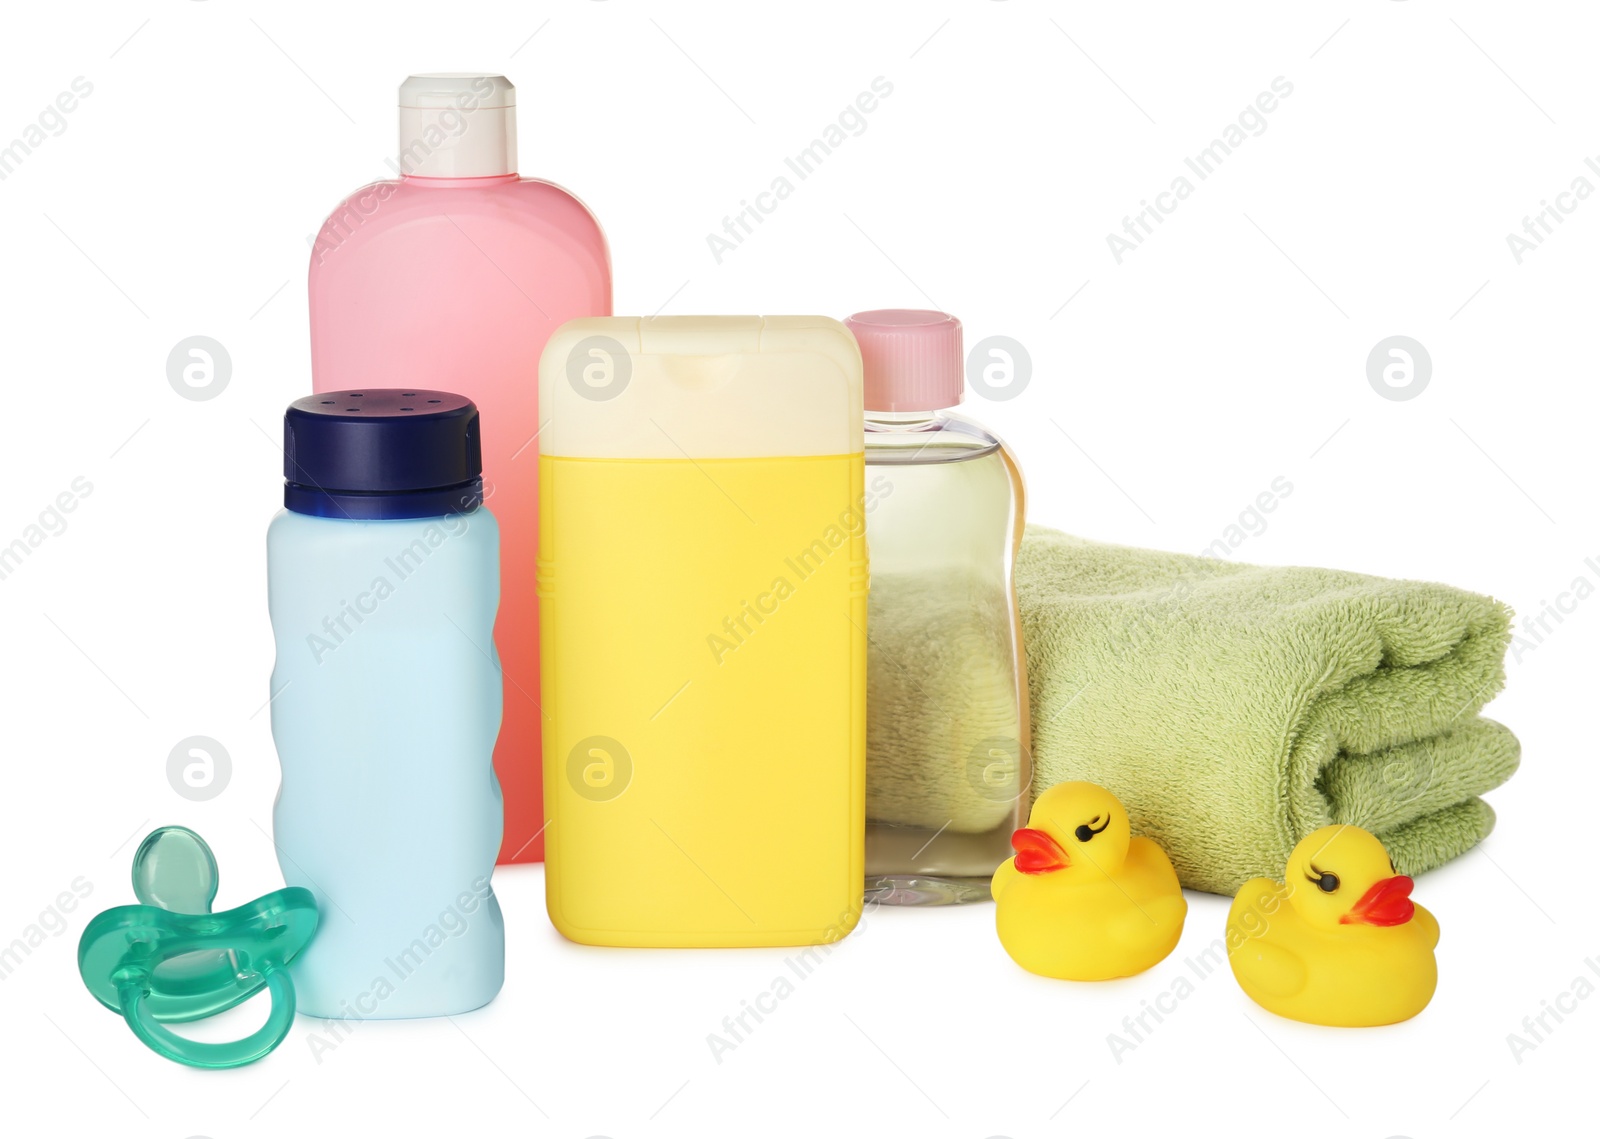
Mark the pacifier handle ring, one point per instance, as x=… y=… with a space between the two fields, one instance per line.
x=200 y=1054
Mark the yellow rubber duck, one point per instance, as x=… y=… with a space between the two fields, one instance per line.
x=1083 y=899
x=1339 y=941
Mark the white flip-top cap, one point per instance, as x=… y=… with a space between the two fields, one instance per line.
x=458 y=124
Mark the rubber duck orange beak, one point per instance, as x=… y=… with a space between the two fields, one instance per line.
x=1387 y=903
x=1037 y=852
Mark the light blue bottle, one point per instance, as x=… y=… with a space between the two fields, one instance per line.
x=383 y=580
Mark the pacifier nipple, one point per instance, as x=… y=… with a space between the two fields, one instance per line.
x=174 y=869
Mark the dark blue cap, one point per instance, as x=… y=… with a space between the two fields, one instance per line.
x=382 y=453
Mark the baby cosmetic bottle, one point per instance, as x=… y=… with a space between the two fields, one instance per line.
x=383 y=572
x=702 y=566
x=947 y=715
x=453 y=275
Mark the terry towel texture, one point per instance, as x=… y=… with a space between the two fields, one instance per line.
x=1234 y=708
x=942 y=686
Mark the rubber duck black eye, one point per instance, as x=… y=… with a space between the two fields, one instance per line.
x=1326 y=882
x=1086 y=831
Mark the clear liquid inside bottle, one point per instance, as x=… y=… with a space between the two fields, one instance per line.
x=947 y=718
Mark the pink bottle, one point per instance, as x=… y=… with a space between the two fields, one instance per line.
x=452 y=277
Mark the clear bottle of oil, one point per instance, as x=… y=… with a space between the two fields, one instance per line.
x=947 y=700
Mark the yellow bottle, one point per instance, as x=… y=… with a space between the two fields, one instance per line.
x=702 y=582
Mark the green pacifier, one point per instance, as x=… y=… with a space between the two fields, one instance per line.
x=171 y=960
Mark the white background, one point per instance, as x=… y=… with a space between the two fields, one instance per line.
x=1166 y=393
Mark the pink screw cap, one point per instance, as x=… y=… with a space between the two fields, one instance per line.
x=911 y=358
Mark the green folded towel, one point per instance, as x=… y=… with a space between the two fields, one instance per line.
x=1234 y=708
